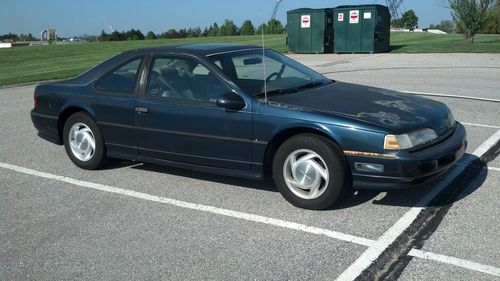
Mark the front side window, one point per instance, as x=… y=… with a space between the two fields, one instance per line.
x=183 y=78
x=122 y=80
x=249 y=69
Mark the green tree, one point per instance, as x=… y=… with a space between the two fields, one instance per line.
x=445 y=25
x=492 y=24
x=205 y=32
x=274 y=26
x=409 y=19
x=247 y=28
x=194 y=32
x=228 y=29
x=213 y=30
x=10 y=36
x=183 y=33
x=104 y=36
x=27 y=37
x=397 y=23
x=470 y=15
x=171 y=34
x=262 y=27
x=151 y=36
x=117 y=36
x=138 y=35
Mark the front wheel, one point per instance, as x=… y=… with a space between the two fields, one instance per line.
x=83 y=142
x=310 y=171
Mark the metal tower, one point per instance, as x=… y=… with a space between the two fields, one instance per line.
x=276 y=8
x=394 y=8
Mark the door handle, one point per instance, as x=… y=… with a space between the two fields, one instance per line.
x=141 y=109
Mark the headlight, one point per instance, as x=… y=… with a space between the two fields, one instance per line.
x=450 y=120
x=409 y=140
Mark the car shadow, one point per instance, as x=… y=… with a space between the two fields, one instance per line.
x=466 y=183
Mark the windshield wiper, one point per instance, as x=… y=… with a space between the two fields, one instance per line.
x=277 y=92
x=310 y=85
x=293 y=89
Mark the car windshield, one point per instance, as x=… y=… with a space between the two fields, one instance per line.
x=249 y=70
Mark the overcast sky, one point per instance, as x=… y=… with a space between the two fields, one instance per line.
x=77 y=17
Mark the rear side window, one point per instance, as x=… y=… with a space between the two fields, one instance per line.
x=121 y=80
x=183 y=78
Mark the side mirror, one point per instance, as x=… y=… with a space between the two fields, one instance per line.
x=231 y=101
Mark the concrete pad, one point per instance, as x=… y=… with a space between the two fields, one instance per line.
x=470 y=229
x=426 y=270
x=52 y=231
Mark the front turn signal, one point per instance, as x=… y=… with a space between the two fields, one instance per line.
x=391 y=142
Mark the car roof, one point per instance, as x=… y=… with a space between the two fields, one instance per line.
x=203 y=49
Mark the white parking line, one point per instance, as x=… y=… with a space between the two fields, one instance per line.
x=194 y=206
x=451 y=96
x=494 y=169
x=487 y=144
x=355 y=269
x=480 y=125
x=372 y=253
x=455 y=261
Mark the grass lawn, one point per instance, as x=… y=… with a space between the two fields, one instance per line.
x=405 y=42
x=37 y=63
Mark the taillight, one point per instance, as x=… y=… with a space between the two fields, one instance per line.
x=35 y=101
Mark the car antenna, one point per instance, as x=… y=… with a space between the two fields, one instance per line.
x=264 y=61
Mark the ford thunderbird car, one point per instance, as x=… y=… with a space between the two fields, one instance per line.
x=240 y=110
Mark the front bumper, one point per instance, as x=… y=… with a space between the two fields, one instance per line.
x=407 y=169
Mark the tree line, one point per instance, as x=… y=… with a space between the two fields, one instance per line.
x=470 y=17
x=15 y=37
x=228 y=28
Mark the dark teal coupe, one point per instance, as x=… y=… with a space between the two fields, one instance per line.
x=243 y=111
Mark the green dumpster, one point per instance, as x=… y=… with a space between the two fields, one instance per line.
x=310 y=31
x=362 y=29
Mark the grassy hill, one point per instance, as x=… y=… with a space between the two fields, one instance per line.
x=36 y=63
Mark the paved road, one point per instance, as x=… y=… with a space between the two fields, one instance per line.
x=141 y=221
x=454 y=74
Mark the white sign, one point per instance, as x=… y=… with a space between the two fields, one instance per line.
x=305 y=21
x=340 y=17
x=367 y=15
x=354 y=16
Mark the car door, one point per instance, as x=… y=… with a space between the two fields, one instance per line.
x=114 y=104
x=179 y=120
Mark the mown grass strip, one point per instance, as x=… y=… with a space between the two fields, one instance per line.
x=37 y=63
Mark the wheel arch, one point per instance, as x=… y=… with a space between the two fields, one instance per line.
x=289 y=132
x=65 y=114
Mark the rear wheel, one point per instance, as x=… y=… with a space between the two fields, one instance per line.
x=310 y=171
x=83 y=142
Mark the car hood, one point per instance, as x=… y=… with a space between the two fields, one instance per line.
x=398 y=112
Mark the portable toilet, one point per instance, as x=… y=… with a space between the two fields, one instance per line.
x=310 y=31
x=362 y=29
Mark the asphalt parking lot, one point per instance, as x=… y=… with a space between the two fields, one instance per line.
x=148 y=222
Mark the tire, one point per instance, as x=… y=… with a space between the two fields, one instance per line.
x=310 y=172
x=79 y=131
